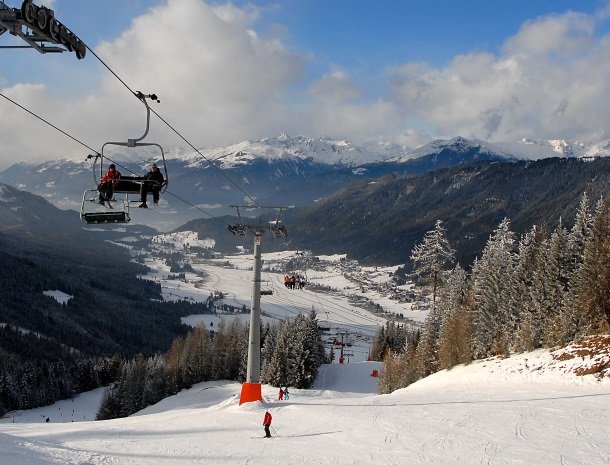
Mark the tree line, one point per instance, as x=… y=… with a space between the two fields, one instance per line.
x=291 y=353
x=544 y=289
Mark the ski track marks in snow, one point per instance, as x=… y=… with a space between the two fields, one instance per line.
x=456 y=417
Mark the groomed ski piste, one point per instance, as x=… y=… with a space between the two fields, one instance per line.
x=531 y=408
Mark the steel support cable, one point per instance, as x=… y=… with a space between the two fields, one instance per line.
x=95 y=151
x=364 y=316
x=49 y=123
x=350 y=321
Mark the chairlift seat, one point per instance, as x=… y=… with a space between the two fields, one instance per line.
x=129 y=185
x=267 y=292
x=105 y=217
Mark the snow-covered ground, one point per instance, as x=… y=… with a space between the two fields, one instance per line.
x=529 y=409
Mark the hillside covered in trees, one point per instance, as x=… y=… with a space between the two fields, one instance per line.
x=50 y=350
x=292 y=352
x=544 y=288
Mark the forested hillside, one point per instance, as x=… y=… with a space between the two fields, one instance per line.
x=109 y=311
x=546 y=288
x=380 y=221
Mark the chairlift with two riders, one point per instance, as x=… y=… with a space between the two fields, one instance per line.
x=95 y=212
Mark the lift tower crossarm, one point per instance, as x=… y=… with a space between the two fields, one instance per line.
x=38 y=26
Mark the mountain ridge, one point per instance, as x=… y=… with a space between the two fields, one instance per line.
x=294 y=171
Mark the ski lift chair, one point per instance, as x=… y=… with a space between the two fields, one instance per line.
x=126 y=185
x=92 y=212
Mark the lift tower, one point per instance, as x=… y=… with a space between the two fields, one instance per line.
x=251 y=389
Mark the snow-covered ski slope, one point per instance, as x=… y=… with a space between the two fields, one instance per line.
x=529 y=409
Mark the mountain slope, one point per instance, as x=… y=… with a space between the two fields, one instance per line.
x=276 y=171
x=530 y=408
x=110 y=310
x=380 y=221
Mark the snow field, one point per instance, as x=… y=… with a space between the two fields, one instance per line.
x=449 y=418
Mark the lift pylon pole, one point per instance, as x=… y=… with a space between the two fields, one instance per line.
x=253 y=374
x=251 y=389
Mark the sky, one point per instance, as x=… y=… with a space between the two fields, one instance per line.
x=396 y=71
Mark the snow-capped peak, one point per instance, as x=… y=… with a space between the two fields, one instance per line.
x=457 y=144
x=323 y=149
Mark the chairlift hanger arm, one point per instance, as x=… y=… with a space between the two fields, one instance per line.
x=142 y=97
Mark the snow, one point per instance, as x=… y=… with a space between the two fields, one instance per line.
x=181 y=240
x=530 y=408
x=59 y=296
x=284 y=147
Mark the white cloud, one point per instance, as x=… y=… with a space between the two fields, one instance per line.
x=550 y=82
x=335 y=87
x=221 y=82
x=218 y=82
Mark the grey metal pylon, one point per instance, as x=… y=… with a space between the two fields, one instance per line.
x=251 y=389
x=253 y=374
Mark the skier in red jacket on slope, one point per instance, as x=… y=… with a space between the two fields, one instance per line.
x=267 y=424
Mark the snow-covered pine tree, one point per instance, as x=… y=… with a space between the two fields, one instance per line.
x=131 y=386
x=594 y=276
x=528 y=292
x=267 y=351
x=432 y=256
x=557 y=272
x=454 y=338
x=314 y=354
x=577 y=240
x=277 y=368
x=155 y=381
x=427 y=349
x=296 y=360
x=492 y=286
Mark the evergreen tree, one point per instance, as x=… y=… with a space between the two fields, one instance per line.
x=492 y=286
x=577 y=240
x=267 y=351
x=277 y=368
x=432 y=255
x=455 y=337
x=594 y=276
x=557 y=272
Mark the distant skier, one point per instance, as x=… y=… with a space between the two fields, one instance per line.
x=267 y=424
x=286 y=393
x=47 y=420
x=281 y=394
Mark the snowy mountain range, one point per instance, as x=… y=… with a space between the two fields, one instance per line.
x=293 y=171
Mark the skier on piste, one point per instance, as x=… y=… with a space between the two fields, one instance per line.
x=267 y=424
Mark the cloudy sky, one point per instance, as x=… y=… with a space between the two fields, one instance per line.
x=362 y=70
